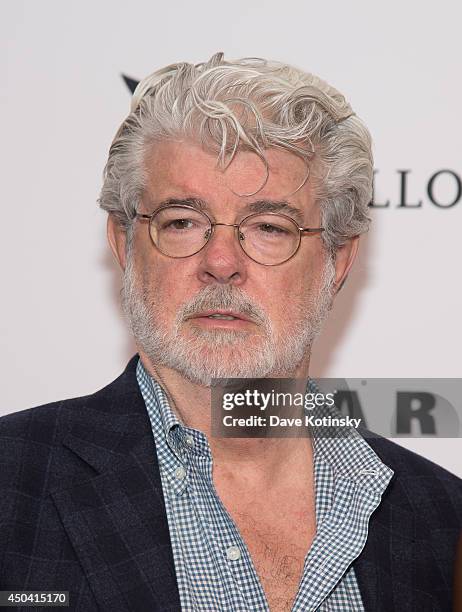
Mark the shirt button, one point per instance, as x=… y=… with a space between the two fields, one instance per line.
x=368 y=471
x=189 y=441
x=180 y=473
x=233 y=553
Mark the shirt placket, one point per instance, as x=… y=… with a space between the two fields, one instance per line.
x=230 y=546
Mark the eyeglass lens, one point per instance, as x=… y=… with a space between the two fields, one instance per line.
x=266 y=238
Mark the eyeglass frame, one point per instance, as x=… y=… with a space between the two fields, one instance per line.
x=301 y=230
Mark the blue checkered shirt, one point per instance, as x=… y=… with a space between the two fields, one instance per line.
x=214 y=570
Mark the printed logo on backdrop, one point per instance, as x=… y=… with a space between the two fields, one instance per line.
x=402 y=407
x=442 y=189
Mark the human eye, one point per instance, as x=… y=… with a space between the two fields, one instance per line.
x=175 y=220
x=178 y=225
x=271 y=229
x=268 y=230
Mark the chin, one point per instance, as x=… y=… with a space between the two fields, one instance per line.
x=216 y=338
x=222 y=354
x=226 y=355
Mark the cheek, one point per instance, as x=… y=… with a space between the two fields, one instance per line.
x=308 y=274
x=168 y=282
x=297 y=283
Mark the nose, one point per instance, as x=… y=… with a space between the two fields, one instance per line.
x=222 y=259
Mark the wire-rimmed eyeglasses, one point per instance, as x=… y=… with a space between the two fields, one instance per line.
x=269 y=238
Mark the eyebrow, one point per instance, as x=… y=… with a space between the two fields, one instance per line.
x=259 y=206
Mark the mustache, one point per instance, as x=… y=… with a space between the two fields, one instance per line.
x=223 y=297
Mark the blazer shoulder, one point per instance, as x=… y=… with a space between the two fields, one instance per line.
x=22 y=423
x=413 y=468
x=34 y=443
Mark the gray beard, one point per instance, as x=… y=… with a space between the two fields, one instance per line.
x=224 y=353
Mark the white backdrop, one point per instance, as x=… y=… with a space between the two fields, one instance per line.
x=399 y=64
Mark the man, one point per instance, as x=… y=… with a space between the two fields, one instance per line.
x=236 y=194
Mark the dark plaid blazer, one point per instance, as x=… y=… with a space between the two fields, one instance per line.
x=82 y=510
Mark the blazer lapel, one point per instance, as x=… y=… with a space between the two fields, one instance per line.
x=112 y=506
x=383 y=568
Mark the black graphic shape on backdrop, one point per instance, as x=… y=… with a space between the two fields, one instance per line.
x=130 y=83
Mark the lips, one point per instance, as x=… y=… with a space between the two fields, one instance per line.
x=221 y=315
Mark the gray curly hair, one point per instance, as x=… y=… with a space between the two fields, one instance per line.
x=247 y=104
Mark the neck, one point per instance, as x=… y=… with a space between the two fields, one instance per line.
x=262 y=460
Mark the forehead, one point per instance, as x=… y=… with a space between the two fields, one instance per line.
x=183 y=169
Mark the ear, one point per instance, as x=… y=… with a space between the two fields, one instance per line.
x=117 y=239
x=344 y=259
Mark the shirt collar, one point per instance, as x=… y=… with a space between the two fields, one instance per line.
x=347 y=452
x=182 y=440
